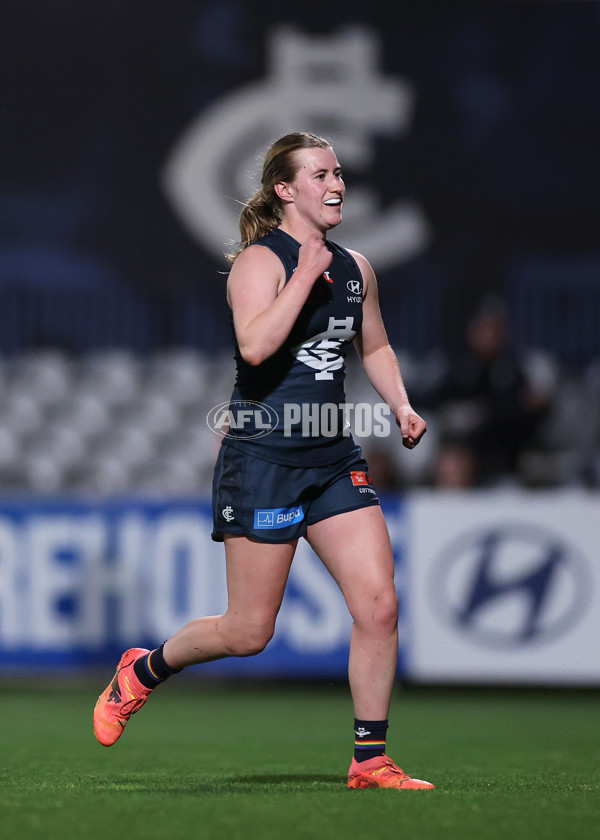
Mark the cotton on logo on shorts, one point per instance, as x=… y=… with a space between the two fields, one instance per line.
x=242 y=418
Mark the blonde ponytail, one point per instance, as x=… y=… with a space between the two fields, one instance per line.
x=259 y=216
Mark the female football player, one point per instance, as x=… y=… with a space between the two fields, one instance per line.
x=298 y=302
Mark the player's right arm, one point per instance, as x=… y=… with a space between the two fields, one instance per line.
x=264 y=306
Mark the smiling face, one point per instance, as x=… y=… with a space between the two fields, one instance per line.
x=313 y=201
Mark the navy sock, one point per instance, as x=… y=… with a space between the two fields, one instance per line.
x=152 y=670
x=370 y=736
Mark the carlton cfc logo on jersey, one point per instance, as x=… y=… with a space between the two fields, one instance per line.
x=323 y=352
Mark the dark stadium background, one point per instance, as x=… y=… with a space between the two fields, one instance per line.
x=502 y=155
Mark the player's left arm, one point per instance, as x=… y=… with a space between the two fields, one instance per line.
x=380 y=361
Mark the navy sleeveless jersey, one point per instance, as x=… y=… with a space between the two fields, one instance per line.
x=290 y=408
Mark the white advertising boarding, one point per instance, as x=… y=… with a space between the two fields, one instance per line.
x=504 y=587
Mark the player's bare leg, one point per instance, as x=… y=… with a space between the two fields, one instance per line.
x=256 y=577
x=356 y=549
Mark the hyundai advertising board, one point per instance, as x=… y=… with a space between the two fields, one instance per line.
x=493 y=588
x=504 y=588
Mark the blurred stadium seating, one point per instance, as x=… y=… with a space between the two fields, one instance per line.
x=117 y=421
x=106 y=422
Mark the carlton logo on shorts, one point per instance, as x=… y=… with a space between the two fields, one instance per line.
x=277 y=517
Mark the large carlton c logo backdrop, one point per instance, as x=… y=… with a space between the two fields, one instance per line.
x=330 y=85
x=505 y=588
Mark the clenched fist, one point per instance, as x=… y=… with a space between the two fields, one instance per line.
x=314 y=257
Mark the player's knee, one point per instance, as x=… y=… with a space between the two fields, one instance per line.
x=379 y=615
x=390 y=610
x=252 y=639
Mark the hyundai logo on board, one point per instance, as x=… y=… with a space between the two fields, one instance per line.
x=511 y=585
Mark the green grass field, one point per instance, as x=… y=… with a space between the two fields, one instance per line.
x=264 y=761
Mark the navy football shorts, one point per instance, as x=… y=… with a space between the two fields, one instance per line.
x=273 y=503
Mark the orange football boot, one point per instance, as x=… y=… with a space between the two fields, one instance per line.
x=122 y=697
x=381 y=772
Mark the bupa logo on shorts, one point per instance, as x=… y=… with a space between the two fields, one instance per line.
x=242 y=418
x=277 y=517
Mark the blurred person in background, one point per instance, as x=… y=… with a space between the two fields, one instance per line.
x=455 y=466
x=487 y=404
x=298 y=302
